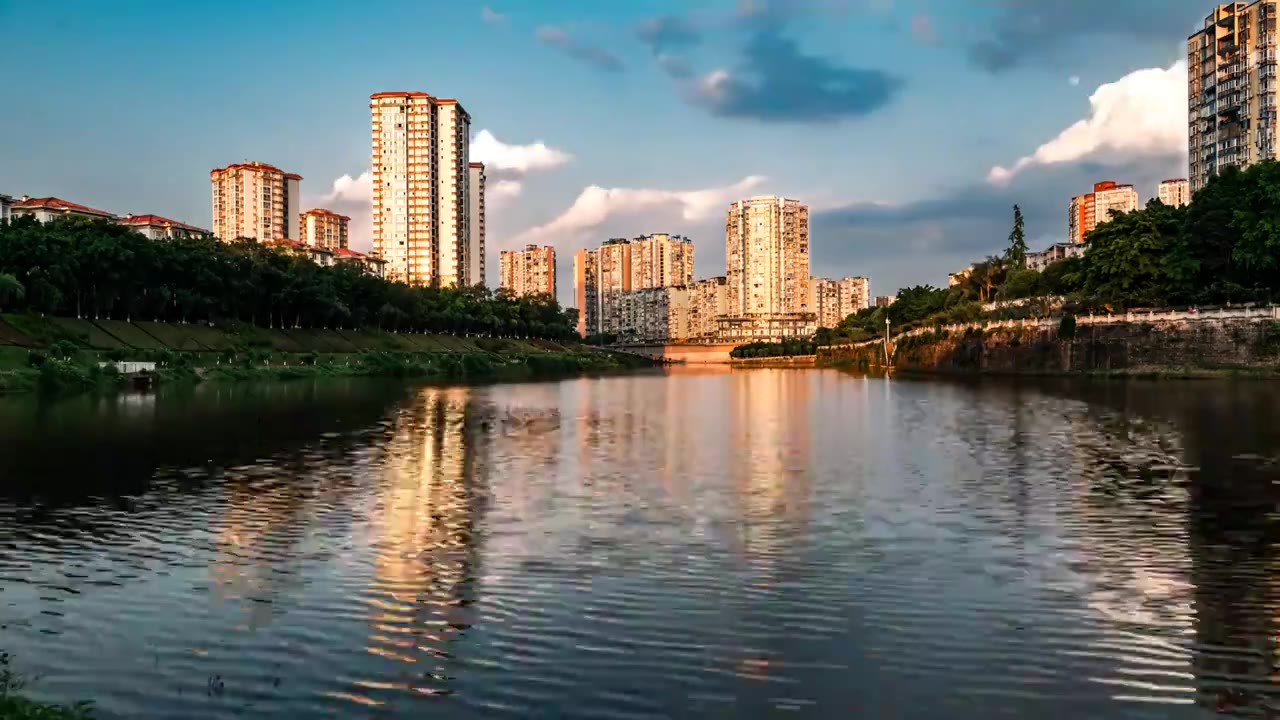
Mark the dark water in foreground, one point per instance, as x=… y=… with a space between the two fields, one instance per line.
x=764 y=543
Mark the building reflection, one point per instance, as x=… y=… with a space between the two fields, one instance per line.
x=424 y=526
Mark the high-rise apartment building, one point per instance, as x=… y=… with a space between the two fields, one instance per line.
x=614 y=262
x=1175 y=193
x=528 y=272
x=255 y=200
x=661 y=260
x=475 y=244
x=835 y=300
x=323 y=228
x=586 y=290
x=1086 y=211
x=1231 y=90
x=708 y=300
x=767 y=256
x=656 y=314
x=421 y=175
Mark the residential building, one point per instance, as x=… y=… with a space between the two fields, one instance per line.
x=160 y=228
x=319 y=255
x=528 y=272
x=475 y=224
x=323 y=228
x=6 y=205
x=958 y=278
x=884 y=300
x=708 y=301
x=1231 y=90
x=835 y=300
x=613 y=260
x=765 y=327
x=661 y=260
x=421 y=175
x=767 y=256
x=1175 y=193
x=375 y=266
x=50 y=208
x=255 y=200
x=1087 y=210
x=1114 y=200
x=586 y=290
x=1038 y=261
x=658 y=314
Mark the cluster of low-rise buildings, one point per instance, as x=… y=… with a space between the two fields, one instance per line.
x=643 y=289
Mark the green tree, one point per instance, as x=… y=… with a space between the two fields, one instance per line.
x=11 y=290
x=1016 y=254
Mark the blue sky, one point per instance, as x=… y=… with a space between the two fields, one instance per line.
x=887 y=116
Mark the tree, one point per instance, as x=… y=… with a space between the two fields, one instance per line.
x=11 y=290
x=1016 y=254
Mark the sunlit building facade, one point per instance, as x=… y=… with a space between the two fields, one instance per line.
x=421 y=175
x=767 y=256
x=531 y=271
x=323 y=228
x=1174 y=193
x=1231 y=90
x=255 y=200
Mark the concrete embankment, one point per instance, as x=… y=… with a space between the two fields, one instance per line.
x=1238 y=340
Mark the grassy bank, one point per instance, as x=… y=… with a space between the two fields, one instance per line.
x=63 y=354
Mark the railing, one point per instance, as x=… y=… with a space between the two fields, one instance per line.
x=1269 y=312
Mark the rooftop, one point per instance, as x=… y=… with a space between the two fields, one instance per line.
x=325 y=211
x=159 y=221
x=53 y=203
x=254 y=165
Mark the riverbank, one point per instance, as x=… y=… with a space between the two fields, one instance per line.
x=66 y=354
x=1153 y=346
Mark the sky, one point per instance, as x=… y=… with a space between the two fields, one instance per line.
x=910 y=127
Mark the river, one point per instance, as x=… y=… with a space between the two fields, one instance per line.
x=691 y=543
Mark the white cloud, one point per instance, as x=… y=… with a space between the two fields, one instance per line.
x=1074 y=80
x=497 y=155
x=1143 y=113
x=501 y=193
x=595 y=205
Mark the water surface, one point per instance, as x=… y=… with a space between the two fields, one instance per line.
x=761 y=543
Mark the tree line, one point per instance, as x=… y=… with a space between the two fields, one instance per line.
x=1223 y=247
x=93 y=268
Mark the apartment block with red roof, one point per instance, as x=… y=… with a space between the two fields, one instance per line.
x=255 y=200
x=156 y=227
x=323 y=228
x=47 y=209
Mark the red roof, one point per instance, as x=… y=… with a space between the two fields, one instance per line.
x=159 y=221
x=53 y=203
x=323 y=211
x=298 y=245
x=349 y=253
x=256 y=166
x=401 y=93
x=475 y=164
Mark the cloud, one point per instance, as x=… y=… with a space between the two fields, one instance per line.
x=1143 y=113
x=595 y=205
x=500 y=193
x=777 y=82
x=497 y=155
x=559 y=38
x=1023 y=30
x=1074 y=80
x=490 y=15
